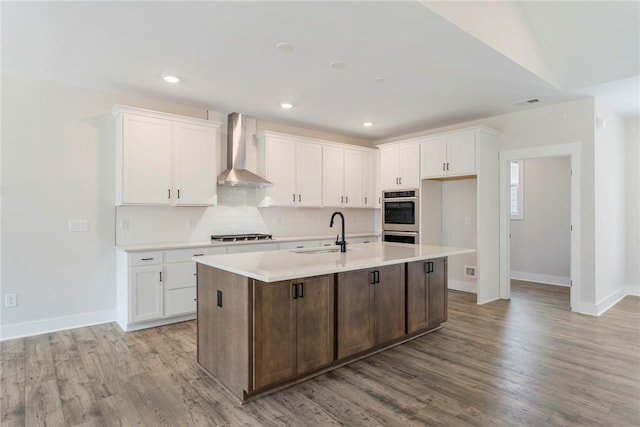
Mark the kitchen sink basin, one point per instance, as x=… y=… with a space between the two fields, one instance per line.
x=317 y=250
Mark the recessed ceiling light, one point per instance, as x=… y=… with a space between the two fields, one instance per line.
x=338 y=65
x=367 y=124
x=286 y=105
x=171 y=79
x=284 y=46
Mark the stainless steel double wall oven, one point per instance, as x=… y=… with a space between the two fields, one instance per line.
x=401 y=216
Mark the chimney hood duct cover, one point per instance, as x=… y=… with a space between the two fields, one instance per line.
x=237 y=174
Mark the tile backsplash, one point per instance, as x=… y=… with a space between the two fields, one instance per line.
x=236 y=213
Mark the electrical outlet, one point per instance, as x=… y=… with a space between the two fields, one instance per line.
x=467 y=220
x=10 y=300
x=124 y=224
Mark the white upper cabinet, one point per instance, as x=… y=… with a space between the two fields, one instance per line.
x=348 y=177
x=449 y=155
x=145 y=161
x=163 y=159
x=309 y=174
x=295 y=170
x=332 y=176
x=400 y=166
x=194 y=165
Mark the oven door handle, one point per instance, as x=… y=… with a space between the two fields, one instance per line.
x=401 y=199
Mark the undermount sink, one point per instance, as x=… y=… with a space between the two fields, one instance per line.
x=318 y=250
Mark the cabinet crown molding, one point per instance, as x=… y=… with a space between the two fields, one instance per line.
x=123 y=109
x=476 y=129
x=264 y=134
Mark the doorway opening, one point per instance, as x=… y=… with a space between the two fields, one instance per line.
x=570 y=151
x=540 y=236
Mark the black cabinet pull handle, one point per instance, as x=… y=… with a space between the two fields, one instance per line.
x=377 y=276
x=147 y=259
x=301 y=290
x=365 y=200
x=346 y=199
x=448 y=165
x=428 y=267
x=373 y=277
x=295 y=290
x=443 y=166
x=198 y=254
x=160 y=275
x=178 y=193
x=299 y=198
x=341 y=199
x=169 y=196
x=294 y=197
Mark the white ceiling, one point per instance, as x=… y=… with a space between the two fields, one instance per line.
x=437 y=71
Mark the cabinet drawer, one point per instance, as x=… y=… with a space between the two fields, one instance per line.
x=299 y=244
x=144 y=258
x=180 y=301
x=180 y=255
x=180 y=275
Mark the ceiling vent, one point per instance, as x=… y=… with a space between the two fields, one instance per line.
x=528 y=102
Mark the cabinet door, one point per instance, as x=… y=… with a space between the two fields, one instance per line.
x=389 y=168
x=417 y=296
x=353 y=179
x=389 y=311
x=355 y=307
x=434 y=158
x=437 y=298
x=146 y=293
x=180 y=301
x=369 y=194
x=146 y=160
x=281 y=171
x=426 y=294
x=410 y=166
x=194 y=164
x=274 y=332
x=309 y=174
x=461 y=154
x=332 y=176
x=315 y=320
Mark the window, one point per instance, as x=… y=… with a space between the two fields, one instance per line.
x=517 y=189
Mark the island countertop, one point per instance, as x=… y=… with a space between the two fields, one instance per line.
x=286 y=264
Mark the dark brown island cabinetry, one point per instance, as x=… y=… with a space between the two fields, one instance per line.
x=256 y=337
x=426 y=294
x=293 y=328
x=371 y=308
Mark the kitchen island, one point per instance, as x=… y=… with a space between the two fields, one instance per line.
x=267 y=320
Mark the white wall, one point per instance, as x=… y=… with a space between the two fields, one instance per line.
x=459 y=202
x=58 y=163
x=610 y=205
x=632 y=154
x=568 y=122
x=541 y=241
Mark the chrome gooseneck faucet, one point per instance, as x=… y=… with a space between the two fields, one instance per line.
x=343 y=242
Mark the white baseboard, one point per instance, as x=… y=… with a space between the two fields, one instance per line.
x=608 y=302
x=633 y=290
x=458 y=285
x=541 y=278
x=160 y=322
x=27 y=329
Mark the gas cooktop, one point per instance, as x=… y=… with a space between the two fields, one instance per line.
x=241 y=237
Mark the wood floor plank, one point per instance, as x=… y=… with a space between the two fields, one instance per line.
x=527 y=361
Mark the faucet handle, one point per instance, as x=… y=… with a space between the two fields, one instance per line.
x=337 y=237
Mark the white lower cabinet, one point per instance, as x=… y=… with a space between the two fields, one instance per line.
x=146 y=293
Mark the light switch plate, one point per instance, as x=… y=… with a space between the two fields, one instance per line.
x=78 y=225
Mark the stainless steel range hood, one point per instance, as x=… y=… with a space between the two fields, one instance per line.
x=236 y=174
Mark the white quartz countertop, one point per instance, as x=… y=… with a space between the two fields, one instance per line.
x=207 y=243
x=286 y=264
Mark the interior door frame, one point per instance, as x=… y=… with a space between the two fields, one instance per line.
x=571 y=150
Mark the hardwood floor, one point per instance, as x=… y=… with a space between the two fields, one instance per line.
x=528 y=361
